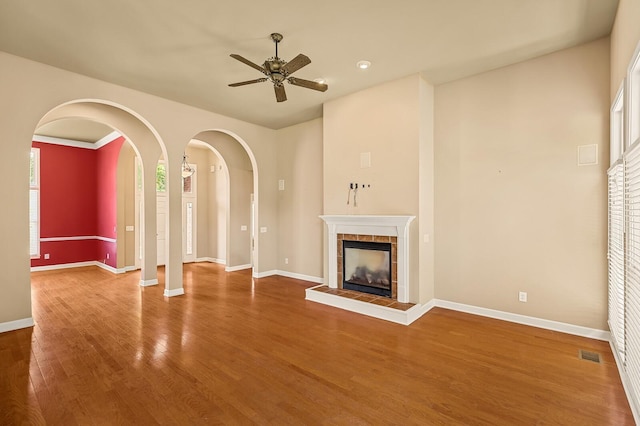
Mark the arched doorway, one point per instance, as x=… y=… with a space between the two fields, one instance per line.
x=146 y=144
x=236 y=208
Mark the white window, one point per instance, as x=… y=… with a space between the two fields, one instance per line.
x=161 y=177
x=633 y=92
x=34 y=203
x=616 y=143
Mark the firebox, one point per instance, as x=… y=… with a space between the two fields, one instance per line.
x=367 y=267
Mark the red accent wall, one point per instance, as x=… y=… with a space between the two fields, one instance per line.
x=77 y=198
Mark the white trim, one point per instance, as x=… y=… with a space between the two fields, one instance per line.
x=237 y=268
x=63 y=266
x=297 y=276
x=626 y=384
x=173 y=292
x=16 y=325
x=147 y=283
x=369 y=309
x=77 y=238
x=211 y=260
x=107 y=139
x=265 y=273
x=77 y=144
x=82 y=265
x=562 y=327
x=110 y=268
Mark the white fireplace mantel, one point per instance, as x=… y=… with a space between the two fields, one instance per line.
x=393 y=226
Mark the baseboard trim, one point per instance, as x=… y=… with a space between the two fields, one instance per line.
x=147 y=283
x=211 y=260
x=562 y=327
x=16 y=325
x=84 y=264
x=626 y=384
x=237 y=268
x=173 y=292
x=63 y=266
x=302 y=277
x=265 y=273
x=109 y=268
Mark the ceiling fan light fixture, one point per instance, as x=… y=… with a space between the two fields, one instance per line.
x=363 y=65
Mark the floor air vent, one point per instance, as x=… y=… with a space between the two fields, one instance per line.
x=589 y=356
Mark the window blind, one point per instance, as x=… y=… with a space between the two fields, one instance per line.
x=632 y=266
x=616 y=256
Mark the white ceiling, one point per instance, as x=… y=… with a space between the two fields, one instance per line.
x=180 y=49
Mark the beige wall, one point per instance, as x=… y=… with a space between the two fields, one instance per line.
x=217 y=209
x=625 y=36
x=126 y=207
x=386 y=121
x=30 y=90
x=300 y=204
x=513 y=210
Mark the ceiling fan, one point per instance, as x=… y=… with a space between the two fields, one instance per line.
x=278 y=71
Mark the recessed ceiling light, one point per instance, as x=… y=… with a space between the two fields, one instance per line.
x=363 y=65
x=320 y=80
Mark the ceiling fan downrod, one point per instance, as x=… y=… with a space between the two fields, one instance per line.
x=277 y=38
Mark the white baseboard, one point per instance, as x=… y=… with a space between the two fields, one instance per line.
x=237 y=268
x=562 y=327
x=62 y=266
x=173 y=292
x=147 y=283
x=16 y=325
x=211 y=260
x=108 y=268
x=297 y=276
x=626 y=384
x=83 y=264
x=265 y=273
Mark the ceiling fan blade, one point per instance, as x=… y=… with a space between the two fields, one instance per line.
x=307 y=84
x=244 y=83
x=248 y=62
x=281 y=96
x=296 y=63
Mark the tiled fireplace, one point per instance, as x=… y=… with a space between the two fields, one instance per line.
x=375 y=270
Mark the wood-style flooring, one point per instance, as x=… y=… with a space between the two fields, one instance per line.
x=239 y=351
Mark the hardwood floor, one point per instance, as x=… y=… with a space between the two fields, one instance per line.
x=239 y=351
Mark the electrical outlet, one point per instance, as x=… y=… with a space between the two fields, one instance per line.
x=46 y=256
x=107 y=255
x=286 y=260
x=522 y=296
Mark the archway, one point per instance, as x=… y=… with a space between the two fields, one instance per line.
x=147 y=145
x=238 y=163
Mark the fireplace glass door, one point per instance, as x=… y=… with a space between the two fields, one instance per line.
x=367 y=267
